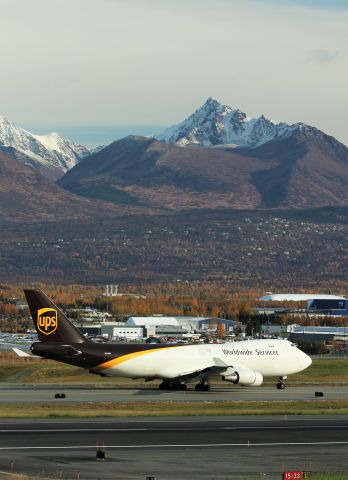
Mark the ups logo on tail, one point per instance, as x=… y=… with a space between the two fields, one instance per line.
x=47 y=320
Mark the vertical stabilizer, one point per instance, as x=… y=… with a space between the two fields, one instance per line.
x=50 y=322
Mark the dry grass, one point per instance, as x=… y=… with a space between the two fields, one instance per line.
x=14 y=369
x=158 y=409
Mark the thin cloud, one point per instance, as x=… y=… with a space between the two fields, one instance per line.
x=315 y=4
x=322 y=57
x=327 y=4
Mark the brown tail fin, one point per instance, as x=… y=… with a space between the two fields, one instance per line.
x=50 y=322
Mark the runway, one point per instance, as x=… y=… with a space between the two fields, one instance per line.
x=199 y=448
x=12 y=394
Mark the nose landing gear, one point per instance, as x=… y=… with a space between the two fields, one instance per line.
x=281 y=383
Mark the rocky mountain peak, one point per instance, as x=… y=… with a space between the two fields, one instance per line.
x=216 y=124
x=51 y=154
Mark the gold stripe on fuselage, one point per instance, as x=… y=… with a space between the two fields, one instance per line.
x=116 y=361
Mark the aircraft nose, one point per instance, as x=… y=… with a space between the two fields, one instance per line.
x=307 y=361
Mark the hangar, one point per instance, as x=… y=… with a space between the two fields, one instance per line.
x=298 y=297
x=299 y=333
x=325 y=306
x=150 y=321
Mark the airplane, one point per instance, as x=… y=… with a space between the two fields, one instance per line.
x=243 y=363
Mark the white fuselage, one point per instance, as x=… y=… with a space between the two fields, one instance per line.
x=268 y=357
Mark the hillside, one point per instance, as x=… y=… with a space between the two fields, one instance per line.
x=311 y=171
x=269 y=250
x=143 y=171
x=28 y=196
x=50 y=234
x=268 y=210
x=299 y=171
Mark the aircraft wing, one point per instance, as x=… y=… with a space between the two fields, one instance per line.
x=211 y=366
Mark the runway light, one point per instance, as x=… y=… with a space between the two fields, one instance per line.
x=100 y=454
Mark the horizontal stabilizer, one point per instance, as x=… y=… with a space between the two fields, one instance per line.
x=54 y=349
x=22 y=354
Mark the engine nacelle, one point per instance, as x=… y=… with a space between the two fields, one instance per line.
x=245 y=377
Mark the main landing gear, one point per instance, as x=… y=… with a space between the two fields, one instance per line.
x=170 y=385
x=281 y=383
x=202 y=386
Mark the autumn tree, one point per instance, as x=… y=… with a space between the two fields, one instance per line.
x=220 y=330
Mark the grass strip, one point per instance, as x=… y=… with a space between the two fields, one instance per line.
x=158 y=409
x=14 y=369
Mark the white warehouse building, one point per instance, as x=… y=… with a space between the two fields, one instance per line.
x=298 y=297
x=157 y=325
x=128 y=333
x=152 y=321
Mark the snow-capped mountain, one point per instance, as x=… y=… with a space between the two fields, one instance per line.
x=217 y=124
x=51 y=154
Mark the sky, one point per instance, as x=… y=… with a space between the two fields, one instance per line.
x=97 y=70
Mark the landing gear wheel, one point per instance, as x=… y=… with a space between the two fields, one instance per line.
x=168 y=385
x=202 y=387
x=165 y=385
x=178 y=386
x=281 y=383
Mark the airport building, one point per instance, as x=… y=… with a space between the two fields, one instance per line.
x=182 y=324
x=269 y=331
x=334 y=338
x=298 y=297
x=152 y=321
x=157 y=326
x=137 y=328
x=336 y=307
x=317 y=304
x=123 y=332
x=299 y=334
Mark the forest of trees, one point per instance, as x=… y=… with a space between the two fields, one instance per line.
x=243 y=250
x=166 y=299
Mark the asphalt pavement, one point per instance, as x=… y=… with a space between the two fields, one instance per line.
x=14 y=394
x=180 y=448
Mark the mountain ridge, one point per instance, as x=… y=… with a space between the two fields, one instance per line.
x=214 y=123
x=51 y=154
x=27 y=196
x=295 y=166
x=289 y=172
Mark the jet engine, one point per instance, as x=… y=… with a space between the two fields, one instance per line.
x=244 y=377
